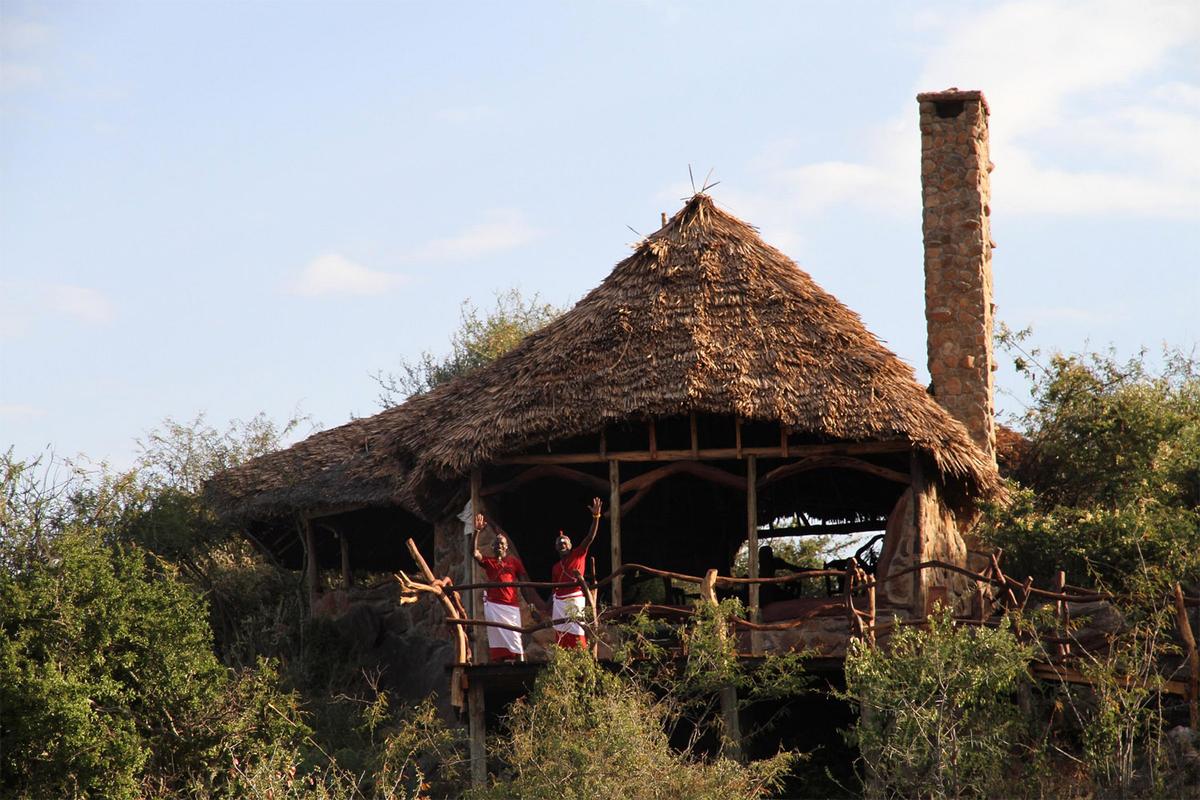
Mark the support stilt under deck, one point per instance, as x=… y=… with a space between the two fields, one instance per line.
x=477 y=726
x=732 y=722
x=752 y=545
x=311 y=575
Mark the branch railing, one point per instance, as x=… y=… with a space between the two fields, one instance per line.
x=1009 y=595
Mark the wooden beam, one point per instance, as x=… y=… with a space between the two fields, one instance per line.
x=643 y=483
x=311 y=568
x=472 y=570
x=702 y=471
x=614 y=527
x=710 y=454
x=752 y=542
x=477 y=724
x=833 y=462
x=737 y=436
x=1066 y=674
x=695 y=435
x=333 y=510
x=834 y=529
x=653 y=440
x=347 y=577
x=603 y=442
x=545 y=471
x=783 y=442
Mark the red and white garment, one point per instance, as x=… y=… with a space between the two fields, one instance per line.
x=568 y=601
x=502 y=604
x=503 y=644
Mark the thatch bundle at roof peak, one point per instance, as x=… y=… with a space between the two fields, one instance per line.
x=704 y=316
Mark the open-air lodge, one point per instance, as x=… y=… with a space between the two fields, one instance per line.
x=710 y=392
x=715 y=397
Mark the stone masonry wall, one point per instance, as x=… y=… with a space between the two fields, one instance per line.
x=955 y=188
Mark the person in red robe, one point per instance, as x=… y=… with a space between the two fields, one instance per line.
x=569 y=601
x=502 y=604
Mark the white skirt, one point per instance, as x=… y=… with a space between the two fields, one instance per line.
x=566 y=608
x=503 y=638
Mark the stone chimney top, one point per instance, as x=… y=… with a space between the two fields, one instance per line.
x=954 y=95
x=955 y=192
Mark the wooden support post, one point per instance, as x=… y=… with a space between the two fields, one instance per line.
x=737 y=436
x=475 y=603
x=732 y=742
x=614 y=527
x=312 y=574
x=752 y=544
x=695 y=435
x=918 y=493
x=870 y=612
x=1193 y=658
x=653 y=440
x=347 y=577
x=783 y=442
x=477 y=726
x=1064 y=616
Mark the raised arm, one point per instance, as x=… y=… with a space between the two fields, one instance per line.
x=480 y=524
x=597 y=508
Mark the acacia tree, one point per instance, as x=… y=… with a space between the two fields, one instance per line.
x=1108 y=485
x=480 y=339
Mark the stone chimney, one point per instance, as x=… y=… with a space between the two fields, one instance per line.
x=955 y=190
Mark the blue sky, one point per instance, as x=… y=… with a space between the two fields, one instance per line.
x=240 y=207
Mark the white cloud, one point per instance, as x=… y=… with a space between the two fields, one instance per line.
x=81 y=303
x=504 y=229
x=1043 y=66
x=21 y=37
x=20 y=411
x=333 y=274
x=24 y=305
x=15 y=77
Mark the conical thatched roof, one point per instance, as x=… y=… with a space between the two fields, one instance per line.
x=703 y=316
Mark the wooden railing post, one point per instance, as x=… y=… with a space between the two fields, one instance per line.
x=475 y=598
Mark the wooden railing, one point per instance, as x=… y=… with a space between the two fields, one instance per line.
x=858 y=589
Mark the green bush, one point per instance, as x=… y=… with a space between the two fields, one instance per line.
x=1108 y=483
x=108 y=680
x=938 y=717
x=584 y=732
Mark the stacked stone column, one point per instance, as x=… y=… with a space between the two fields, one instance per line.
x=955 y=189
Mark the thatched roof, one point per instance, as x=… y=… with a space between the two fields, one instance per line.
x=344 y=466
x=704 y=316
